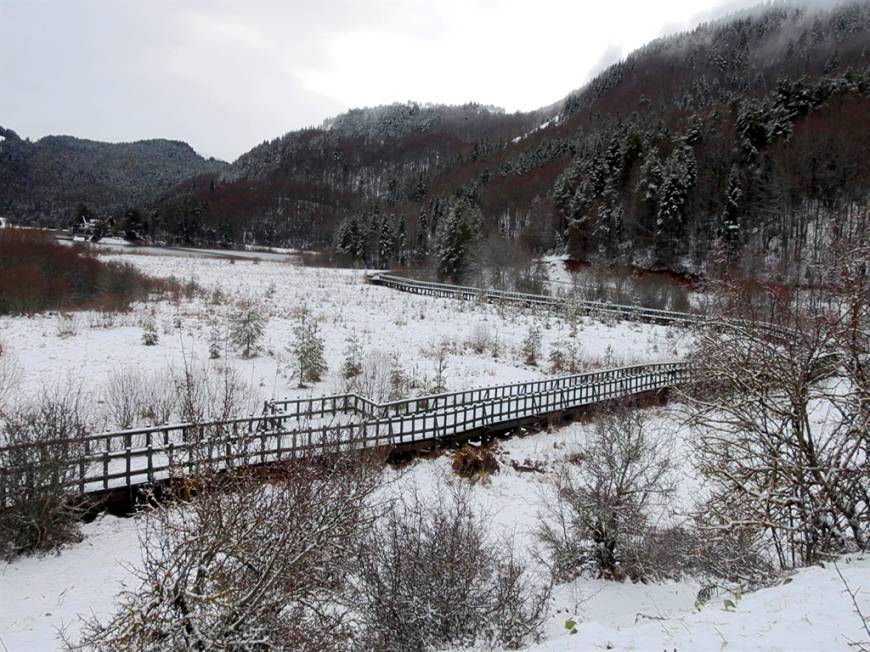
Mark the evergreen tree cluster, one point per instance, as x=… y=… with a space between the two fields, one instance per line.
x=736 y=136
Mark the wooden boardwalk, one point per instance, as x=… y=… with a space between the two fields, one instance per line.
x=289 y=429
x=293 y=428
x=619 y=311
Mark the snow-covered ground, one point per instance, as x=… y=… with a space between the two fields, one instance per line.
x=40 y=594
x=385 y=322
x=810 y=612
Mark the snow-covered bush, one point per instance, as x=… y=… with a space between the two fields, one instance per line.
x=66 y=324
x=41 y=442
x=597 y=516
x=247 y=326
x=565 y=358
x=150 y=335
x=480 y=338
x=429 y=575
x=248 y=564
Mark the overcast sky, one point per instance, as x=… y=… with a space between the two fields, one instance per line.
x=225 y=75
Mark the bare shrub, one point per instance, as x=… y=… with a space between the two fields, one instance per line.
x=210 y=392
x=474 y=462
x=480 y=338
x=123 y=398
x=565 y=358
x=780 y=443
x=253 y=562
x=159 y=398
x=597 y=516
x=376 y=375
x=39 y=273
x=40 y=444
x=662 y=293
x=429 y=576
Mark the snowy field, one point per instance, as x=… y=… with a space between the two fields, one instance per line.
x=811 y=612
x=387 y=323
x=40 y=595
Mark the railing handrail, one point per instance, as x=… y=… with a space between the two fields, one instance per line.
x=445 y=395
x=102 y=467
x=674 y=315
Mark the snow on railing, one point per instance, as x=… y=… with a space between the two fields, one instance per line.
x=291 y=428
x=630 y=312
x=294 y=428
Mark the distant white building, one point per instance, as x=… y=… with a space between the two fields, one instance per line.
x=3 y=222
x=85 y=227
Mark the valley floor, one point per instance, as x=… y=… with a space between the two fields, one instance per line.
x=40 y=595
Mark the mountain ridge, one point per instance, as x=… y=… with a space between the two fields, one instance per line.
x=635 y=163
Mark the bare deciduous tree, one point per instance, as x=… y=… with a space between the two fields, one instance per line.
x=430 y=575
x=598 y=517
x=781 y=441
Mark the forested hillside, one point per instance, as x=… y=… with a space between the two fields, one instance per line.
x=45 y=182
x=736 y=137
x=741 y=138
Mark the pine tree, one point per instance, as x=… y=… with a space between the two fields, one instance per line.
x=246 y=329
x=402 y=244
x=730 y=226
x=457 y=237
x=215 y=341
x=150 y=337
x=439 y=382
x=651 y=173
x=531 y=348
x=679 y=178
x=351 y=238
x=353 y=356
x=307 y=352
x=387 y=238
x=421 y=248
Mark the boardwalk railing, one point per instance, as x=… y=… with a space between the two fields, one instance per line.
x=291 y=428
x=355 y=404
x=294 y=428
x=560 y=304
x=628 y=312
